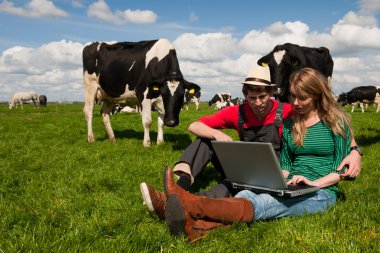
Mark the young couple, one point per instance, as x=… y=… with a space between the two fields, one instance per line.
x=312 y=137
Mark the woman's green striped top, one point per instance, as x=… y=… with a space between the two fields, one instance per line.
x=321 y=153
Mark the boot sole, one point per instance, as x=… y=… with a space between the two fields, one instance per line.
x=146 y=197
x=175 y=215
x=165 y=185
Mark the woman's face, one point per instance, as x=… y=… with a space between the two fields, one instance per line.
x=302 y=104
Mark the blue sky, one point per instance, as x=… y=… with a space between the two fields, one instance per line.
x=217 y=41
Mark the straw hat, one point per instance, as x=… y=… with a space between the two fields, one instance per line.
x=259 y=75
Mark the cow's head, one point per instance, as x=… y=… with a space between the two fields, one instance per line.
x=215 y=99
x=11 y=104
x=342 y=98
x=282 y=61
x=288 y=58
x=173 y=93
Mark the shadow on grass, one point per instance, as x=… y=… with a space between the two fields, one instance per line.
x=368 y=139
x=207 y=179
x=179 y=141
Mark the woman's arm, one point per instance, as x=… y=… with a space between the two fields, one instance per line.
x=326 y=181
x=352 y=160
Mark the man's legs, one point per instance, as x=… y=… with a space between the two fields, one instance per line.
x=194 y=159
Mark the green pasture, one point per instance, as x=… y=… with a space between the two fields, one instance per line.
x=59 y=193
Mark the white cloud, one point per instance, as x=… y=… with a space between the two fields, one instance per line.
x=257 y=41
x=101 y=11
x=369 y=7
x=352 y=18
x=205 y=47
x=140 y=16
x=35 y=8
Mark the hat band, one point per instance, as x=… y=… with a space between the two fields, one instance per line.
x=257 y=80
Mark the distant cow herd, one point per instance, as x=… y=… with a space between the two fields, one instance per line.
x=361 y=95
x=148 y=74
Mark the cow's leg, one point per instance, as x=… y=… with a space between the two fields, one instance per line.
x=160 y=120
x=362 y=106
x=90 y=89
x=196 y=105
x=20 y=101
x=146 y=116
x=106 y=111
x=353 y=107
x=378 y=107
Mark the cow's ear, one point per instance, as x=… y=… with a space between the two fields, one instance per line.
x=155 y=88
x=263 y=61
x=186 y=84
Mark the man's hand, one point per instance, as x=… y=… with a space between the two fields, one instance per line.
x=353 y=162
x=220 y=136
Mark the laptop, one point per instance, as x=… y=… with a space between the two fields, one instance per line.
x=254 y=166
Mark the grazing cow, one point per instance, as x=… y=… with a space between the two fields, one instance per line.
x=120 y=108
x=192 y=95
x=146 y=70
x=221 y=97
x=43 y=100
x=20 y=97
x=361 y=94
x=287 y=58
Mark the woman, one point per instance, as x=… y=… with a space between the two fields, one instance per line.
x=315 y=141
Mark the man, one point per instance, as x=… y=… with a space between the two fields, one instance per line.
x=259 y=119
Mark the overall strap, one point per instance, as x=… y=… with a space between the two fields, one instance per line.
x=278 y=119
x=242 y=119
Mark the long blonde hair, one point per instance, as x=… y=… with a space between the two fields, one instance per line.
x=308 y=82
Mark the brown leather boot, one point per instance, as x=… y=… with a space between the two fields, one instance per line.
x=182 y=215
x=180 y=222
x=154 y=200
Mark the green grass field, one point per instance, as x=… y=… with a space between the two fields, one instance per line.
x=59 y=193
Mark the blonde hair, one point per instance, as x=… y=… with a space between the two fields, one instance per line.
x=308 y=82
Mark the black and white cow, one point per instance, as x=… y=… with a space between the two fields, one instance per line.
x=221 y=97
x=361 y=95
x=237 y=101
x=146 y=70
x=192 y=95
x=287 y=58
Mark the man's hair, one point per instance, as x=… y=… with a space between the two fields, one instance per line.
x=257 y=89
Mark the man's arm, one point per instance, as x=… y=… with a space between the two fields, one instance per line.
x=202 y=130
x=353 y=161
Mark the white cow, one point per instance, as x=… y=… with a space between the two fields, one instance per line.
x=20 y=97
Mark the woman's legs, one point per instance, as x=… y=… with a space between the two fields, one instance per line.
x=267 y=206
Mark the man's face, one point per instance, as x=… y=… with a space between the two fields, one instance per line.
x=259 y=102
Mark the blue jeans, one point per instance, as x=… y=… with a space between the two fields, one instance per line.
x=267 y=206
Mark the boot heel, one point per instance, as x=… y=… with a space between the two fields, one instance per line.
x=175 y=215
